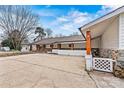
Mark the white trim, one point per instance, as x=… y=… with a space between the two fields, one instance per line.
x=119 y=30
x=107 y=16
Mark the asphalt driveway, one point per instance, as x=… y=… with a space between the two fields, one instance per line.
x=44 y=70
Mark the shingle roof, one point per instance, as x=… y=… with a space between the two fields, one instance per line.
x=74 y=38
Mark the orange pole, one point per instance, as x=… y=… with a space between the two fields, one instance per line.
x=88 y=42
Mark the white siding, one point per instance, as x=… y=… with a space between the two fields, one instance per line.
x=110 y=37
x=121 y=31
x=95 y=43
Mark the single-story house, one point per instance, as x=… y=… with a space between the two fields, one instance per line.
x=68 y=45
x=109 y=30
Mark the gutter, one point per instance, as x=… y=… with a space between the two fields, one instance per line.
x=82 y=34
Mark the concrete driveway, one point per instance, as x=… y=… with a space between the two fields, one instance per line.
x=44 y=70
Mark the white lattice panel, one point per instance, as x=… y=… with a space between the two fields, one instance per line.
x=103 y=64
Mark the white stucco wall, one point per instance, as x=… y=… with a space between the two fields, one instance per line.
x=110 y=37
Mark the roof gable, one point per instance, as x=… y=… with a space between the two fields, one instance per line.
x=107 y=16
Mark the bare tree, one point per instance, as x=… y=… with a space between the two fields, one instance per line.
x=17 y=22
x=49 y=32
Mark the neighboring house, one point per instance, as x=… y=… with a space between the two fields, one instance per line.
x=25 y=46
x=68 y=45
x=109 y=29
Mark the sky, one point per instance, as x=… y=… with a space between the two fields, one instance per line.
x=66 y=19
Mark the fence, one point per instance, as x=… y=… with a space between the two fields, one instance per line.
x=103 y=64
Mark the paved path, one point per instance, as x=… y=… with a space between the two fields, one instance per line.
x=43 y=70
x=106 y=80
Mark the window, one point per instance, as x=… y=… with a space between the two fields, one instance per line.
x=70 y=45
x=51 y=46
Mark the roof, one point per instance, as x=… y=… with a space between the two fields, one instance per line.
x=75 y=38
x=25 y=42
x=98 y=26
x=107 y=16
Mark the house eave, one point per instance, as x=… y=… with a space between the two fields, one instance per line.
x=98 y=20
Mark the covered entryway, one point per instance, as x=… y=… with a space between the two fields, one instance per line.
x=105 y=30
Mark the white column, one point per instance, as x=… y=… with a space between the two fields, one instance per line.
x=89 y=62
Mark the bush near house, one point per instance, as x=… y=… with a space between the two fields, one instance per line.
x=8 y=43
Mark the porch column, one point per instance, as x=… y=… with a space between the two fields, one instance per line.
x=88 y=56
